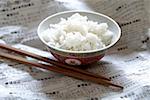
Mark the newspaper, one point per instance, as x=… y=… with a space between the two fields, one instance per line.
x=127 y=63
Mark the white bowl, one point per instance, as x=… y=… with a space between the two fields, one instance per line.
x=79 y=57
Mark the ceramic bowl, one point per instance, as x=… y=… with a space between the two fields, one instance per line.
x=79 y=57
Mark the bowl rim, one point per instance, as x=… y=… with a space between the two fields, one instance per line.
x=79 y=52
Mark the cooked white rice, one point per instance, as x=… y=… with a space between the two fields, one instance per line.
x=77 y=33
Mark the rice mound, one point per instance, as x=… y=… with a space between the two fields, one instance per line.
x=77 y=33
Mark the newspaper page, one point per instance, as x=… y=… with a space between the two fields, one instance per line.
x=127 y=63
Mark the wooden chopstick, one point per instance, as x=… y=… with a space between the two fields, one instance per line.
x=60 y=70
x=48 y=60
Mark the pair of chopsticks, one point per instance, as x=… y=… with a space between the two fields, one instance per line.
x=55 y=66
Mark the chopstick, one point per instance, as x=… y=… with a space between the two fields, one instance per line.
x=48 y=60
x=57 y=67
x=61 y=70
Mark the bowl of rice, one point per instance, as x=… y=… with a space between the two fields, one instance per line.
x=78 y=37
